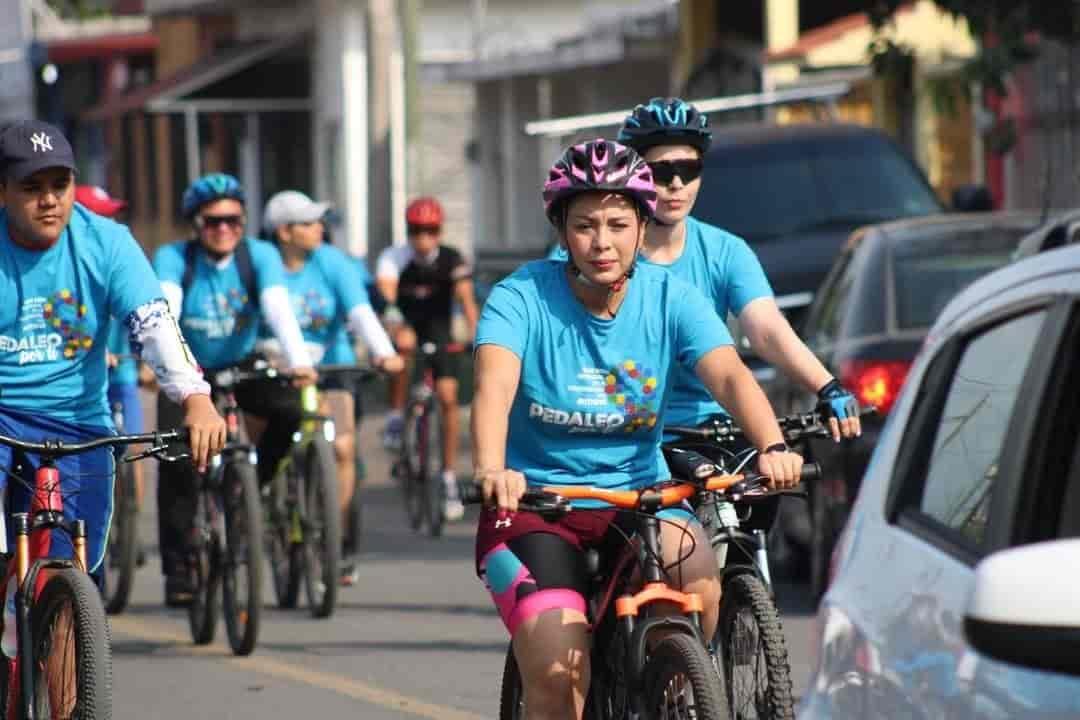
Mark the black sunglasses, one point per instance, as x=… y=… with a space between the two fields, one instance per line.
x=212 y=221
x=664 y=172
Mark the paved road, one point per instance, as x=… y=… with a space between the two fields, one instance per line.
x=417 y=637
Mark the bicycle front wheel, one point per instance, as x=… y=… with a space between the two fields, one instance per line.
x=322 y=528
x=511 y=695
x=409 y=469
x=756 y=670
x=72 y=662
x=283 y=538
x=204 y=568
x=242 y=562
x=430 y=464
x=681 y=682
x=123 y=542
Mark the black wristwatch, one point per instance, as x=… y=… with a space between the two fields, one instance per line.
x=776 y=447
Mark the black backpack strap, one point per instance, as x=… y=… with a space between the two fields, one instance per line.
x=246 y=267
x=190 y=250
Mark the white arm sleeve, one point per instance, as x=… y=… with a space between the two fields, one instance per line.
x=277 y=309
x=156 y=339
x=174 y=294
x=363 y=322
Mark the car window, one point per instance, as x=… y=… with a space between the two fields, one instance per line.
x=971 y=430
x=765 y=190
x=929 y=271
x=1070 y=509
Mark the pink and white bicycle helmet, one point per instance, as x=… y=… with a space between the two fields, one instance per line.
x=599 y=165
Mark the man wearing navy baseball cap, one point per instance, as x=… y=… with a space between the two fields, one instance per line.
x=65 y=272
x=35 y=155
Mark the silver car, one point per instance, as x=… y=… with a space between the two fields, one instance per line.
x=955 y=587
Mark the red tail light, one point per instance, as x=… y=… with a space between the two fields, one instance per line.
x=875 y=382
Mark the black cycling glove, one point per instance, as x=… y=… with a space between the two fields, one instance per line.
x=835 y=401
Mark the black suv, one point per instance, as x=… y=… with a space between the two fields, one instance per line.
x=795 y=192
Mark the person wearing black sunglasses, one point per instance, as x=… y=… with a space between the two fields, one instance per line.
x=220 y=285
x=673 y=137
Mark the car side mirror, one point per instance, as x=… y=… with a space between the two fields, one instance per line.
x=1023 y=610
x=972 y=198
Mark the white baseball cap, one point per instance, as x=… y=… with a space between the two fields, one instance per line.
x=290 y=206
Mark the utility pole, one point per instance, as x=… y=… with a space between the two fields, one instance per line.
x=410 y=18
x=16 y=72
x=382 y=30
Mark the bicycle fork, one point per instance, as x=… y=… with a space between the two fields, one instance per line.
x=636 y=633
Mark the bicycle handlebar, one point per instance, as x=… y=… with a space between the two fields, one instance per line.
x=353 y=372
x=430 y=348
x=557 y=498
x=795 y=427
x=233 y=376
x=59 y=448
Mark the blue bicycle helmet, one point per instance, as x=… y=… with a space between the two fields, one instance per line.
x=207 y=189
x=665 y=121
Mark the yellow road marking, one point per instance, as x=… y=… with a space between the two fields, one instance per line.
x=142 y=630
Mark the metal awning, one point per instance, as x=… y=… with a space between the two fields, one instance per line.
x=826 y=93
x=172 y=94
x=210 y=86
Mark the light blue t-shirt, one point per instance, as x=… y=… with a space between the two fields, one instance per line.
x=591 y=390
x=218 y=319
x=55 y=316
x=727 y=271
x=323 y=293
x=126 y=371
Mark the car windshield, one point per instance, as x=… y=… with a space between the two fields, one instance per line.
x=929 y=272
x=761 y=191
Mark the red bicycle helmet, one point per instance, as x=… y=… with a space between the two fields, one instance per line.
x=424 y=212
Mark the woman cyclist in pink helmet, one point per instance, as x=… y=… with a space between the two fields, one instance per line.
x=573 y=365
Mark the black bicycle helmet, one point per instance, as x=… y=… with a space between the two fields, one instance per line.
x=665 y=121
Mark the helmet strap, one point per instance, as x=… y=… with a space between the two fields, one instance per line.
x=613 y=288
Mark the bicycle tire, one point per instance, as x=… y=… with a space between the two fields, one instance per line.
x=409 y=467
x=286 y=554
x=682 y=656
x=754 y=646
x=243 y=531
x=511 y=694
x=353 y=533
x=91 y=654
x=205 y=570
x=819 y=550
x=430 y=459
x=322 y=528
x=123 y=542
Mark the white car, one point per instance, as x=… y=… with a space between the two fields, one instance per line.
x=955 y=586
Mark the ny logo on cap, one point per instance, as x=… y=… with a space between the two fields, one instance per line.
x=41 y=141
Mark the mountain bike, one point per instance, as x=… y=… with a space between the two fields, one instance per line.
x=122 y=552
x=749 y=645
x=420 y=461
x=643 y=663
x=59 y=658
x=227 y=534
x=303 y=517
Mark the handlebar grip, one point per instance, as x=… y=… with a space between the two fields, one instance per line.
x=811 y=471
x=470 y=495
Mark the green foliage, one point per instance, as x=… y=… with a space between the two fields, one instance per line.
x=80 y=9
x=1003 y=28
